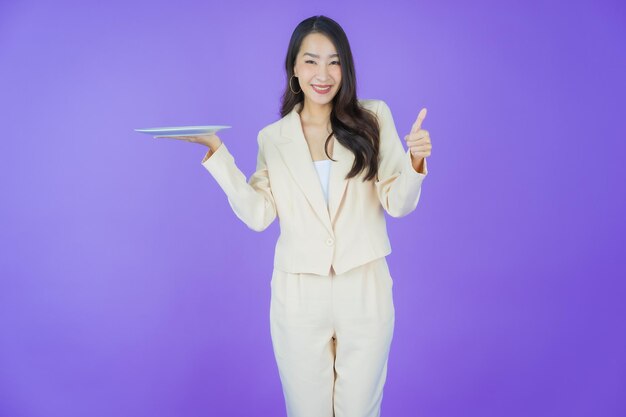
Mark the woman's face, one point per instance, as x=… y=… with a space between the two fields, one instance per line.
x=317 y=66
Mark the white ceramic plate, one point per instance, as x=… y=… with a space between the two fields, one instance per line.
x=182 y=130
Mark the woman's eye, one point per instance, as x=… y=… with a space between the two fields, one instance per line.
x=313 y=62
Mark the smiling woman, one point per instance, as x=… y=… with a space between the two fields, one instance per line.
x=329 y=169
x=320 y=66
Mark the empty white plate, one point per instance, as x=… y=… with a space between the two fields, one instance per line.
x=182 y=130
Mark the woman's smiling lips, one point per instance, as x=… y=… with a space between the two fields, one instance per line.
x=321 y=89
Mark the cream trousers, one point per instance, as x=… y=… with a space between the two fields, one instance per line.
x=331 y=337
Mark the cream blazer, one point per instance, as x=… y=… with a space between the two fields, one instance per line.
x=350 y=230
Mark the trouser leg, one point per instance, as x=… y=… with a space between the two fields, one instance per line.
x=301 y=330
x=363 y=316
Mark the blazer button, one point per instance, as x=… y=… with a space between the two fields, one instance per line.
x=330 y=241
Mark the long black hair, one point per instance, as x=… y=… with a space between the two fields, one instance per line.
x=354 y=126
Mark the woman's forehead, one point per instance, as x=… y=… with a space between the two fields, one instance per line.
x=318 y=44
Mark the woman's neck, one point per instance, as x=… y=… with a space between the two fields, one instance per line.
x=315 y=114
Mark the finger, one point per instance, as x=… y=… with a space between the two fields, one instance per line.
x=417 y=125
x=422 y=154
x=420 y=146
x=419 y=136
x=418 y=150
x=420 y=141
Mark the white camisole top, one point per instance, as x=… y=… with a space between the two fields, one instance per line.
x=323 y=171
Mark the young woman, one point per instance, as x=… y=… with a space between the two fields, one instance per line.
x=328 y=169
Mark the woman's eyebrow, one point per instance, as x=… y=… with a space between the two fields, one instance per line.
x=317 y=56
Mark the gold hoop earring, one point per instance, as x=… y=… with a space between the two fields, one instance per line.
x=295 y=92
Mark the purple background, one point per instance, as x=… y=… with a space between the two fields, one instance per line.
x=129 y=288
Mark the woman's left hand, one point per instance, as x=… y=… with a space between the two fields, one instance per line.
x=418 y=141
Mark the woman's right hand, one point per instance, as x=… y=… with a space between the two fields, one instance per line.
x=212 y=141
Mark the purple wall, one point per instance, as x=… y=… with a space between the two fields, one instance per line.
x=129 y=288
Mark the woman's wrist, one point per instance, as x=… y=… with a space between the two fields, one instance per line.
x=418 y=164
x=214 y=143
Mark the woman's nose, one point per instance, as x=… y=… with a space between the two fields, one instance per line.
x=322 y=73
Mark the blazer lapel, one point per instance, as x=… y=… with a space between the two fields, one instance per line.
x=337 y=182
x=297 y=157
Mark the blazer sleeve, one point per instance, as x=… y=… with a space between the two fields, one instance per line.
x=398 y=184
x=251 y=200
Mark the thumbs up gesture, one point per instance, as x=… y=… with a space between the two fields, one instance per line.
x=418 y=141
